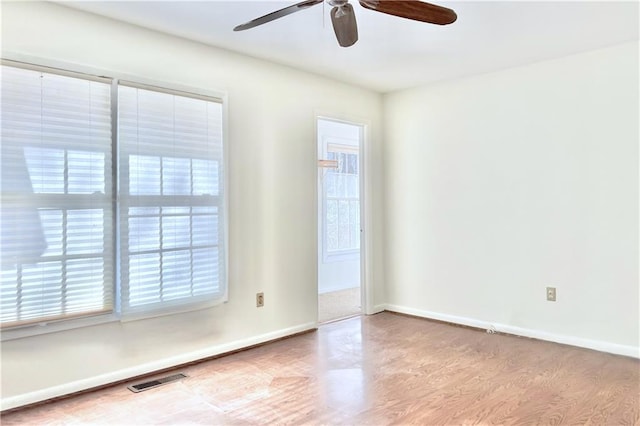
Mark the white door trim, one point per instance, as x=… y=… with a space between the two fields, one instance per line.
x=366 y=220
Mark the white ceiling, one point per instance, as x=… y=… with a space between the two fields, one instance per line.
x=392 y=53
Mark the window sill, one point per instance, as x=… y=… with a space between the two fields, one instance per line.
x=341 y=256
x=38 y=329
x=171 y=310
x=56 y=326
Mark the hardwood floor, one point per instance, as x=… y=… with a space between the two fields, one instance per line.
x=378 y=370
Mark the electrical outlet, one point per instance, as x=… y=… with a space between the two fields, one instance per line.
x=551 y=294
x=259 y=300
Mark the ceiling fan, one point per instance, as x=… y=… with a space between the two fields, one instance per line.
x=344 y=19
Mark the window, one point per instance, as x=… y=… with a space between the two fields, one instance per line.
x=58 y=228
x=170 y=198
x=56 y=223
x=342 y=202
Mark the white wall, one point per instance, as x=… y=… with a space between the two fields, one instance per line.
x=502 y=184
x=272 y=216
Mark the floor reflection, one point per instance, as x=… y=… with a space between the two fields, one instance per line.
x=342 y=367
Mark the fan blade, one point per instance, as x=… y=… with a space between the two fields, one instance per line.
x=277 y=14
x=413 y=9
x=344 y=25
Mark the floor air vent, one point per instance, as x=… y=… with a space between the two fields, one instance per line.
x=155 y=383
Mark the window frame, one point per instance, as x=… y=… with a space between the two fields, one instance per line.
x=116 y=315
x=179 y=305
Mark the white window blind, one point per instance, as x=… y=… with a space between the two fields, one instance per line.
x=56 y=226
x=171 y=198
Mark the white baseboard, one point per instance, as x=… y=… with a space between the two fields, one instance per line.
x=598 y=345
x=127 y=373
x=378 y=308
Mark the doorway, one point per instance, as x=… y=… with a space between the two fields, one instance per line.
x=339 y=219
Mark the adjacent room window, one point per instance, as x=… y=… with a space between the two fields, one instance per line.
x=58 y=225
x=342 y=210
